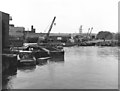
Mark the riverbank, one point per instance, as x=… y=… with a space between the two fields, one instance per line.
x=111 y=43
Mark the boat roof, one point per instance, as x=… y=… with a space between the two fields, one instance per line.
x=22 y=51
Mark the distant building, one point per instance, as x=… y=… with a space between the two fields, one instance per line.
x=31 y=31
x=16 y=31
x=16 y=35
x=63 y=37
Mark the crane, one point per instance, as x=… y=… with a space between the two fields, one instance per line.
x=46 y=37
x=88 y=36
x=90 y=31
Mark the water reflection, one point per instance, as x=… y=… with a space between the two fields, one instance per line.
x=57 y=59
x=107 y=51
x=27 y=68
x=41 y=62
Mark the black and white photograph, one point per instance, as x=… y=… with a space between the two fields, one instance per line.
x=59 y=44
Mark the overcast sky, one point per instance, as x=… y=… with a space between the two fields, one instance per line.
x=102 y=15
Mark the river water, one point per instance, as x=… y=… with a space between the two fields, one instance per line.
x=81 y=68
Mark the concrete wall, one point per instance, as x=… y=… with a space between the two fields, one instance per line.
x=4 y=30
x=0 y=50
x=0 y=32
x=4 y=35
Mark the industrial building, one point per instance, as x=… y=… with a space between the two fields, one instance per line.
x=16 y=35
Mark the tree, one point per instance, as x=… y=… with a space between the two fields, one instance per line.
x=104 y=35
x=117 y=36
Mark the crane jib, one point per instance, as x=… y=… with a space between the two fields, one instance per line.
x=47 y=35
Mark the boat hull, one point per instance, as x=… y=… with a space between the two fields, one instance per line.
x=27 y=63
x=56 y=53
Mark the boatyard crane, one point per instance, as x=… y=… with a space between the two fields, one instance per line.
x=90 y=32
x=88 y=35
x=46 y=37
